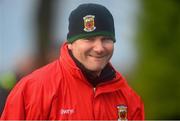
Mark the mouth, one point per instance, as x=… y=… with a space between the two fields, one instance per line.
x=96 y=56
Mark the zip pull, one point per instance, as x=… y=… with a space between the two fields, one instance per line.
x=94 y=89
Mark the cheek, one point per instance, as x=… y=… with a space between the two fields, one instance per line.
x=78 y=53
x=110 y=49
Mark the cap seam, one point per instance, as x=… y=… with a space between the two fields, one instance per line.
x=80 y=36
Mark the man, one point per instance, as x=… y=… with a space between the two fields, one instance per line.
x=81 y=84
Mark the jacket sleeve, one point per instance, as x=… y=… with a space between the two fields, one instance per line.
x=139 y=113
x=136 y=106
x=14 y=107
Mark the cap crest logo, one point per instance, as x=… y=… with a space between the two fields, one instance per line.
x=89 y=24
x=122 y=112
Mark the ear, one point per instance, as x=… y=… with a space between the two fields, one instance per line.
x=70 y=46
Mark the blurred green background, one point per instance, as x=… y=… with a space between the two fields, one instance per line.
x=155 y=73
x=156 y=77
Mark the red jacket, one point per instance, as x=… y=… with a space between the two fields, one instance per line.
x=60 y=91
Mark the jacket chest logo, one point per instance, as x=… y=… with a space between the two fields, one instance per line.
x=122 y=112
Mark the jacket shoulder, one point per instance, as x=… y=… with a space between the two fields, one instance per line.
x=46 y=71
x=128 y=92
x=47 y=77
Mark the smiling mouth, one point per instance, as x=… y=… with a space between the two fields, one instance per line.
x=97 y=56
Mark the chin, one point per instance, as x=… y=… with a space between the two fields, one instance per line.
x=96 y=69
x=95 y=66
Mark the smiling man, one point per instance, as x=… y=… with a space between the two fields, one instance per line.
x=81 y=84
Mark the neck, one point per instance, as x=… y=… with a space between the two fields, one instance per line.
x=96 y=73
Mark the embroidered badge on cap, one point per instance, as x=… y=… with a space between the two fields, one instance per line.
x=122 y=113
x=89 y=24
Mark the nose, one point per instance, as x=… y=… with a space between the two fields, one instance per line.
x=98 y=46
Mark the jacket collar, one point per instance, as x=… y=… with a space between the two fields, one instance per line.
x=107 y=74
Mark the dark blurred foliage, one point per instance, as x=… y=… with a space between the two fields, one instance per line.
x=156 y=77
x=44 y=27
x=3 y=95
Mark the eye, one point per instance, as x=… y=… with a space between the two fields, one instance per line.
x=107 y=39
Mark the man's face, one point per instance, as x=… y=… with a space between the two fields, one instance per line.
x=93 y=52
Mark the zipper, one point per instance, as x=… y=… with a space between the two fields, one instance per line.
x=94 y=89
x=93 y=100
